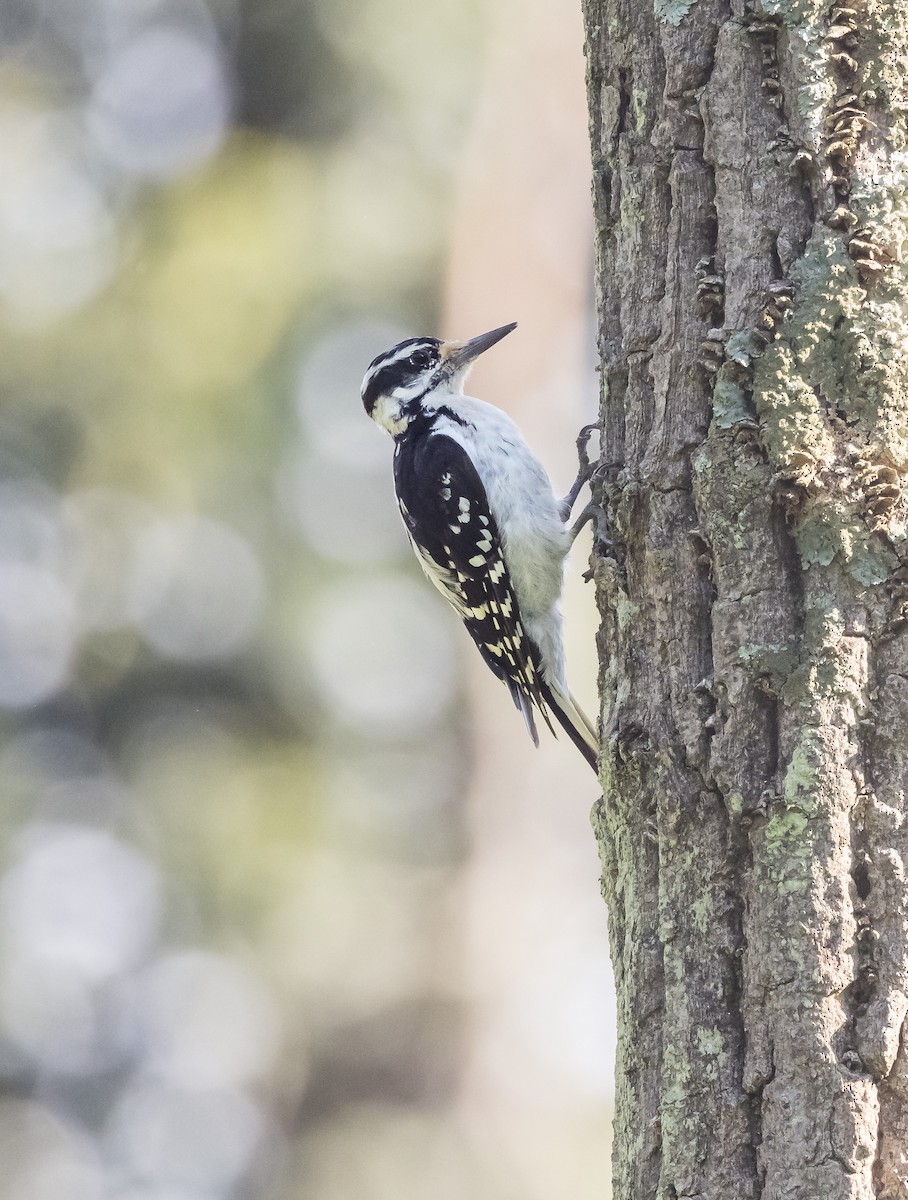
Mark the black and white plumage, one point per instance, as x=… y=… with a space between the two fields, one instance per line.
x=482 y=518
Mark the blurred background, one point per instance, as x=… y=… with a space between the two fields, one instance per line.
x=289 y=906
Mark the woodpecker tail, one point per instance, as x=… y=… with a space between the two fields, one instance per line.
x=525 y=707
x=575 y=723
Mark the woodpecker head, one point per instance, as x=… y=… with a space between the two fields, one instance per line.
x=400 y=381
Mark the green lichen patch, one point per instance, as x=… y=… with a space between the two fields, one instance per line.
x=808 y=50
x=879 y=332
x=821 y=535
x=729 y=403
x=796 y=12
x=792 y=413
x=734 y=803
x=871 y=562
x=801 y=373
x=711 y=1043
x=799 y=788
x=876 y=378
x=832 y=397
x=640 y=108
x=879 y=196
x=827 y=532
x=625 y=609
x=787 y=852
x=817 y=82
x=742 y=347
x=885 y=29
x=785 y=837
x=672 y=12
x=702 y=913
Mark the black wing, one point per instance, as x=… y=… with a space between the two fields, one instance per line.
x=446 y=512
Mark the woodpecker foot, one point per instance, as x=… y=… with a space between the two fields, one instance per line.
x=593 y=514
x=584 y=474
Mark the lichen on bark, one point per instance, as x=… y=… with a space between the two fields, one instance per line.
x=751 y=198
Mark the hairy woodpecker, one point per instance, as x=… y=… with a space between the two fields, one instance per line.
x=483 y=520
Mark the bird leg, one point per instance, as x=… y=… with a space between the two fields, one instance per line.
x=583 y=475
x=593 y=513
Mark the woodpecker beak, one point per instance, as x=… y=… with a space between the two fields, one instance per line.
x=458 y=355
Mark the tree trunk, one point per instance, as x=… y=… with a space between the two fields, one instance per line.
x=752 y=211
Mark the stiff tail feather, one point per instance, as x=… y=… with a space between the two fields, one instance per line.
x=524 y=706
x=575 y=723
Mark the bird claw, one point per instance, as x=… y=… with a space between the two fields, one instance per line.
x=583 y=439
x=599 y=469
x=584 y=473
x=594 y=513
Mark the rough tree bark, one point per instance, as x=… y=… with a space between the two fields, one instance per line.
x=752 y=213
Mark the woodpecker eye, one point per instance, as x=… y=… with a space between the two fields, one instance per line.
x=420 y=359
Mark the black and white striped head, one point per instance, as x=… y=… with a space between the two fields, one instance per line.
x=400 y=381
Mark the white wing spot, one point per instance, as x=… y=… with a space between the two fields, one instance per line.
x=478 y=560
